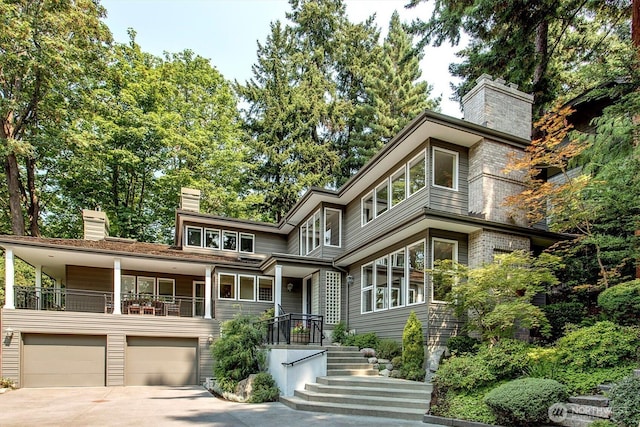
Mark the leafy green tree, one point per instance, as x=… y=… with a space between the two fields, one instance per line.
x=48 y=52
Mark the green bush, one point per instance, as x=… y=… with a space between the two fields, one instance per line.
x=561 y=314
x=463 y=373
x=602 y=345
x=625 y=402
x=468 y=406
x=237 y=353
x=388 y=349
x=463 y=344
x=340 y=332
x=507 y=359
x=413 y=349
x=621 y=303
x=367 y=340
x=602 y=423
x=264 y=389
x=525 y=402
x=586 y=381
x=397 y=363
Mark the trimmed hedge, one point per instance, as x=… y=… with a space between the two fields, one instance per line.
x=525 y=402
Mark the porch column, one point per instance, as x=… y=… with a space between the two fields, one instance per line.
x=9 y=294
x=57 y=288
x=38 y=287
x=117 y=286
x=277 y=301
x=207 y=293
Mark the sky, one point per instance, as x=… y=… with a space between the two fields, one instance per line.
x=227 y=31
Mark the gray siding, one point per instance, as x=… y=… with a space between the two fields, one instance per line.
x=114 y=327
x=456 y=202
x=293 y=242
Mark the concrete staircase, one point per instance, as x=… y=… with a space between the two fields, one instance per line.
x=353 y=387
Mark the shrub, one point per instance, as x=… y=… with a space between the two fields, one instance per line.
x=368 y=340
x=413 y=349
x=507 y=359
x=237 y=352
x=388 y=349
x=464 y=373
x=264 y=389
x=463 y=344
x=340 y=332
x=397 y=363
x=525 y=402
x=625 y=401
x=466 y=406
x=602 y=423
x=586 y=381
x=621 y=303
x=561 y=314
x=7 y=383
x=602 y=345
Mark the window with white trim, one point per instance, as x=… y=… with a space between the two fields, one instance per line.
x=193 y=236
x=247 y=242
x=442 y=249
x=146 y=285
x=381 y=283
x=415 y=272
x=303 y=239
x=367 y=288
x=382 y=198
x=398 y=284
x=265 y=289
x=166 y=287
x=229 y=240
x=367 y=208
x=128 y=284
x=417 y=173
x=246 y=287
x=332 y=227
x=211 y=238
x=398 y=186
x=310 y=233
x=226 y=286
x=445 y=168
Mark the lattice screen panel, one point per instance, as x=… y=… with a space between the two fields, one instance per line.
x=332 y=315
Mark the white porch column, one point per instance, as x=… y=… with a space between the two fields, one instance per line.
x=277 y=301
x=207 y=293
x=9 y=294
x=56 y=287
x=39 y=287
x=117 y=286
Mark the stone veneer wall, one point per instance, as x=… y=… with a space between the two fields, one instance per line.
x=483 y=243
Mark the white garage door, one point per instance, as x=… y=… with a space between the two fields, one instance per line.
x=161 y=361
x=63 y=360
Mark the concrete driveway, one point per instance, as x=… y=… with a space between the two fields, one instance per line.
x=158 y=406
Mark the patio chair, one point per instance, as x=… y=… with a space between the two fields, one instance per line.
x=172 y=308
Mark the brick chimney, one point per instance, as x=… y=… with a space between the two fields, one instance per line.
x=499 y=106
x=96 y=224
x=190 y=199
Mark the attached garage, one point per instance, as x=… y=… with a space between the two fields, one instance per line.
x=161 y=361
x=63 y=360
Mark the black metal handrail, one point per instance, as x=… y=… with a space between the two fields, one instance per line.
x=304 y=358
x=294 y=328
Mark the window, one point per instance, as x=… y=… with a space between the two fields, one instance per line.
x=310 y=234
x=367 y=208
x=303 y=239
x=367 y=288
x=227 y=286
x=316 y=229
x=128 y=284
x=417 y=173
x=194 y=236
x=442 y=250
x=416 y=273
x=398 y=187
x=332 y=227
x=229 y=240
x=382 y=198
x=381 y=284
x=247 y=287
x=398 y=287
x=445 y=168
x=211 y=238
x=247 y=242
x=265 y=289
x=166 y=287
x=146 y=285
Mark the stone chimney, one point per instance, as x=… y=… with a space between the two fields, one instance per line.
x=190 y=199
x=96 y=224
x=498 y=106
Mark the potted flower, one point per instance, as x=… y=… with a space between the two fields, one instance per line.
x=300 y=334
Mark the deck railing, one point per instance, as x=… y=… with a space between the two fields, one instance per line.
x=79 y=300
x=295 y=328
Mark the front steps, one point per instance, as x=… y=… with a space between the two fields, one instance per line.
x=361 y=391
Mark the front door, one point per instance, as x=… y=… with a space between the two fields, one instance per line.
x=198 y=298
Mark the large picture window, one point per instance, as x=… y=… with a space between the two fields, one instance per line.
x=445 y=168
x=417 y=173
x=442 y=250
x=332 y=227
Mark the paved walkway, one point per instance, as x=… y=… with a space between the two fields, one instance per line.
x=158 y=406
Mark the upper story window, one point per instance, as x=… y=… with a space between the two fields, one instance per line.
x=209 y=238
x=442 y=249
x=445 y=168
x=398 y=186
x=332 y=227
x=310 y=234
x=417 y=173
x=382 y=198
x=367 y=208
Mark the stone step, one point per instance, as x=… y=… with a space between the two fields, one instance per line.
x=335 y=359
x=332 y=366
x=376 y=382
x=366 y=400
x=605 y=387
x=298 y=403
x=575 y=421
x=372 y=390
x=355 y=372
x=339 y=349
x=591 y=400
x=594 y=412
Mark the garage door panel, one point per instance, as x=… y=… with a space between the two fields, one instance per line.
x=161 y=361
x=63 y=360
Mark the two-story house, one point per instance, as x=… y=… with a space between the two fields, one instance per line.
x=121 y=312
